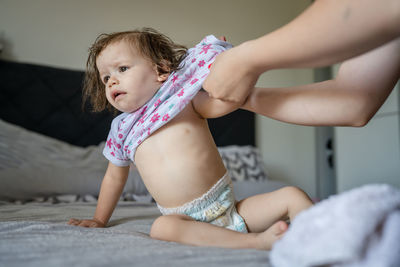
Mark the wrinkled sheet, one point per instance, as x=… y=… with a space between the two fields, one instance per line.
x=36 y=234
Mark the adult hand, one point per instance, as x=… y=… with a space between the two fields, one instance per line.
x=231 y=75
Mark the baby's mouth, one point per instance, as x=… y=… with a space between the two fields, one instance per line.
x=117 y=94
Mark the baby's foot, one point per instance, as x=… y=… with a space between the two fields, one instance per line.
x=272 y=234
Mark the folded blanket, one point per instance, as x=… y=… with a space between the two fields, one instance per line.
x=360 y=227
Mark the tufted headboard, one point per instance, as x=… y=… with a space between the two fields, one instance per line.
x=47 y=100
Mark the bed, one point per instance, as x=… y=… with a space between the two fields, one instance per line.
x=51 y=168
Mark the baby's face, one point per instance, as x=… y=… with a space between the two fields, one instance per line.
x=130 y=79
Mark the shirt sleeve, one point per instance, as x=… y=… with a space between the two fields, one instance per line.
x=114 y=147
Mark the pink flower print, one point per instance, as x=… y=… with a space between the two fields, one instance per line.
x=118 y=146
x=141 y=121
x=115 y=143
x=181 y=92
x=201 y=63
x=193 y=60
x=112 y=153
x=148 y=131
x=109 y=143
x=155 y=117
x=205 y=48
x=165 y=117
x=174 y=78
x=157 y=103
x=193 y=81
x=120 y=136
x=143 y=110
x=126 y=148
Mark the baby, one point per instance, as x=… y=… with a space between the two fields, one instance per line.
x=163 y=131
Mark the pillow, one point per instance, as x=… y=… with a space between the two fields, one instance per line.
x=244 y=163
x=33 y=165
x=245 y=189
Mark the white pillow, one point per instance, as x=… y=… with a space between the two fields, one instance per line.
x=34 y=165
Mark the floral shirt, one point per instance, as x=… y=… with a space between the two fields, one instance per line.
x=129 y=130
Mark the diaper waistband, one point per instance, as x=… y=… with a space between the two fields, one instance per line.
x=212 y=194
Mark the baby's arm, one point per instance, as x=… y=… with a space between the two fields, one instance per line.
x=351 y=99
x=111 y=188
x=208 y=107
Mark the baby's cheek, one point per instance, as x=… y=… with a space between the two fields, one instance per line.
x=109 y=99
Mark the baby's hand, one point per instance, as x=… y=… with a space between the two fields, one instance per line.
x=87 y=223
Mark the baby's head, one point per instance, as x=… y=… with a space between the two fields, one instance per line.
x=125 y=69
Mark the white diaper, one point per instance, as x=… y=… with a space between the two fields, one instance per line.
x=217 y=207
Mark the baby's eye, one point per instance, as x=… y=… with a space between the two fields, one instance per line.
x=105 y=79
x=123 y=69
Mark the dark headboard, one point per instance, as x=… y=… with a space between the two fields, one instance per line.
x=47 y=100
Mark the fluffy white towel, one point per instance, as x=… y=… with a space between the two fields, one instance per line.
x=360 y=227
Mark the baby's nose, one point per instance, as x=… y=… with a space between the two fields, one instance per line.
x=112 y=81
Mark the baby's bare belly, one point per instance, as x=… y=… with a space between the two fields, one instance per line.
x=180 y=162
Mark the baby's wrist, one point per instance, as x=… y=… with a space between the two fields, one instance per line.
x=101 y=222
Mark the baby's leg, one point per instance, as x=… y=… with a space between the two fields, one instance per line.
x=183 y=229
x=260 y=212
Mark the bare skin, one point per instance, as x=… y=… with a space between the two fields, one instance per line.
x=187 y=142
x=327 y=32
x=182 y=155
x=350 y=99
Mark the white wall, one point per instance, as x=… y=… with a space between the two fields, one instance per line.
x=58 y=33
x=288 y=150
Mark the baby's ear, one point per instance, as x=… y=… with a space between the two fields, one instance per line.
x=165 y=70
x=162 y=77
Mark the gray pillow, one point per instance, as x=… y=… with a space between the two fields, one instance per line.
x=33 y=165
x=244 y=163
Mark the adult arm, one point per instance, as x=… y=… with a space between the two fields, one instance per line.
x=111 y=189
x=329 y=31
x=350 y=99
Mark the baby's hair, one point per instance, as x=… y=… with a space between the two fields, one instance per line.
x=153 y=45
